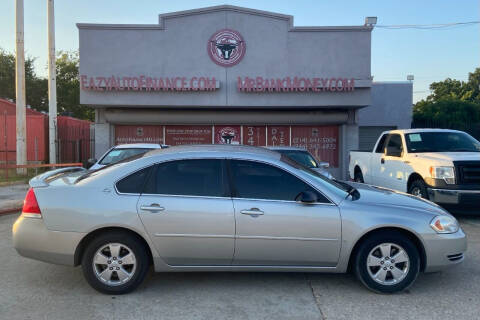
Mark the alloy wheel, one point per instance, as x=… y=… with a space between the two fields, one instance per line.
x=388 y=264
x=114 y=264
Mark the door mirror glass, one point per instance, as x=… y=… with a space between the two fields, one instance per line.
x=307 y=197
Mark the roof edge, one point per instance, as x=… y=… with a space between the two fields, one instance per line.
x=221 y=8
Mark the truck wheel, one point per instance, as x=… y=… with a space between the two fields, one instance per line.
x=419 y=189
x=115 y=263
x=358 y=176
x=387 y=262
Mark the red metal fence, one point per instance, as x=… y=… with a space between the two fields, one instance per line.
x=74 y=139
x=37 y=138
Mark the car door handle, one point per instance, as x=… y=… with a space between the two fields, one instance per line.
x=154 y=207
x=382 y=161
x=252 y=212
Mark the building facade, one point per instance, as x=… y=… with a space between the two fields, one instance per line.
x=227 y=74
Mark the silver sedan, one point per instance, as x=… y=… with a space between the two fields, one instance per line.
x=229 y=208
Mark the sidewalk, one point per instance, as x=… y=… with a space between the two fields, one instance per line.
x=11 y=197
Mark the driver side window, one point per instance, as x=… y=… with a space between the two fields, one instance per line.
x=255 y=180
x=394 y=146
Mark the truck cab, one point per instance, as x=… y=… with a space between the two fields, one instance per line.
x=437 y=164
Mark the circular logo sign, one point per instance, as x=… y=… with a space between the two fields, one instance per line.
x=226 y=47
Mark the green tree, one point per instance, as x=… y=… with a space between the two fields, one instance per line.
x=456 y=89
x=35 y=87
x=447 y=112
x=68 y=87
x=452 y=103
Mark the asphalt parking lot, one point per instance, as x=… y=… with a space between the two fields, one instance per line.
x=36 y=290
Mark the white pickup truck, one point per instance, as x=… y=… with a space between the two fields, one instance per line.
x=436 y=164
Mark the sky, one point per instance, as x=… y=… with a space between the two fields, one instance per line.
x=430 y=55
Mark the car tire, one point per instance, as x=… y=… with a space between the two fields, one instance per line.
x=419 y=189
x=371 y=262
x=104 y=268
x=358 y=176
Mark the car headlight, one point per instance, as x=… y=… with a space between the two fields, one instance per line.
x=445 y=173
x=444 y=224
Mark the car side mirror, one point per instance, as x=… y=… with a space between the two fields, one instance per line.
x=323 y=164
x=307 y=197
x=394 y=152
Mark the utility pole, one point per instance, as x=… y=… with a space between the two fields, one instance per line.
x=52 y=84
x=21 y=131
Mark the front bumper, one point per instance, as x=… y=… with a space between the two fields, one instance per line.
x=444 y=250
x=459 y=200
x=32 y=239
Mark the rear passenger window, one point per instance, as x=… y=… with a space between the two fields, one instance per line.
x=133 y=183
x=202 y=177
x=254 y=180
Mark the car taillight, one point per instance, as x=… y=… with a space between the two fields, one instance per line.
x=30 y=205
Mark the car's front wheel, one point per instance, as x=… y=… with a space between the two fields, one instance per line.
x=115 y=263
x=419 y=189
x=387 y=262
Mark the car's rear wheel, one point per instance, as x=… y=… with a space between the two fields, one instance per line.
x=419 y=189
x=358 y=176
x=115 y=263
x=387 y=262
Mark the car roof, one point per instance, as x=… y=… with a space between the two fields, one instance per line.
x=138 y=145
x=286 y=148
x=419 y=130
x=226 y=149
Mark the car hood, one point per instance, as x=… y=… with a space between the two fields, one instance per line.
x=384 y=197
x=449 y=156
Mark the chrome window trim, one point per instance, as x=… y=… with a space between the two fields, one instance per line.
x=182 y=196
x=287 y=201
x=331 y=203
x=293 y=174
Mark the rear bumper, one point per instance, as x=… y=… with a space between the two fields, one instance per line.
x=444 y=250
x=33 y=240
x=457 y=200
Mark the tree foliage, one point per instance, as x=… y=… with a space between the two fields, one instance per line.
x=35 y=87
x=68 y=87
x=452 y=103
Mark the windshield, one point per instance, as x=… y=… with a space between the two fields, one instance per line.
x=441 y=142
x=116 y=155
x=93 y=173
x=300 y=156
x=334 y=186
